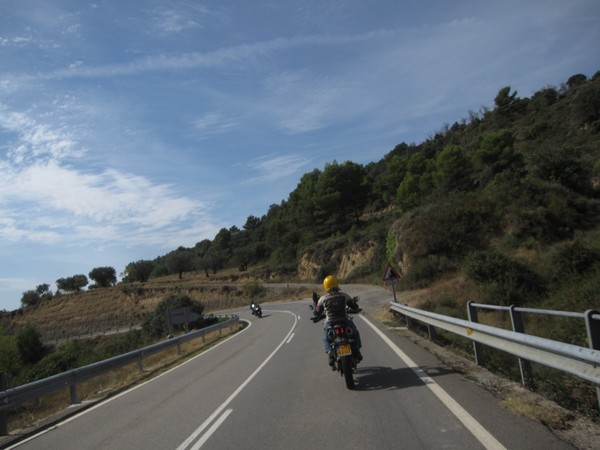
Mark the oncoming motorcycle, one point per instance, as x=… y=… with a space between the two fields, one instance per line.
x=256 y=310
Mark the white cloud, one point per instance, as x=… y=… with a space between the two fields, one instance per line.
x=47 y=195
x=18 y=41
x=172 y=21
x=213 y=123
x=271 y=168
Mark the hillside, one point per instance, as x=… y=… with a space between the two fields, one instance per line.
x=125 y=306
x=502 y=208
x=507 y=203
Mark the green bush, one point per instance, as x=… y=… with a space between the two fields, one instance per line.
x=72 y=355
x=574 y=259
x=10 y=357
x=253 y=289
x=29 y=344
x=424 y=271
x=154 y=326
x=507 y=281
x=123 y=343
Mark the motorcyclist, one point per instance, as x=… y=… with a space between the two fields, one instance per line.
x=333 y=303
x=254 y=306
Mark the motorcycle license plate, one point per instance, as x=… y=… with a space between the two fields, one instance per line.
x=344 y=350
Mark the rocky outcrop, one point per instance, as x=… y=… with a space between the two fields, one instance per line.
x=347 y=261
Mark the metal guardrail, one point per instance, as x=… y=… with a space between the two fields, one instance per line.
x=579 y=361
x=30 y=391
x=591 y=318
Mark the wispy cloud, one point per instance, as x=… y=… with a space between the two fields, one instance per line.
x=271 y=168
x=301 y=102
x=173 y=21
x=216 y=58
x=213 y=123
x=44 y=198
x=36 y=140
x=17 y=41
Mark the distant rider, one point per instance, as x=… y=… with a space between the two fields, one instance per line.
x=333 y=304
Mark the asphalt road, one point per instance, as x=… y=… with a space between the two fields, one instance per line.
x=269 y=387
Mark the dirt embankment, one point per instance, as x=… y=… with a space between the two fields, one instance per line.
x=126 y=306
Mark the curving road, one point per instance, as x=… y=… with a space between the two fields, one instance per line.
x=269 y=387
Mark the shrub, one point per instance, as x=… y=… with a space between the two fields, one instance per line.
x=574 y=259
x=253 y=289
x=424 y=271
x=121 y=344
x=66 y=358
x=10 y=357
x=155 y=326
x=29 y=344
x=507 y=281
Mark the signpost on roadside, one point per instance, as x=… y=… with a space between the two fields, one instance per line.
x=180 y=316
x=391 y=277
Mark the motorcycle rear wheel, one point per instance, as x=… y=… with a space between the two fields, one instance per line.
x=347 y=372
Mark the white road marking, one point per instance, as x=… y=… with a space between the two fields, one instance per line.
x=185 y=444
x=104 y=402
x=290 y=339
x=211 y=430
x=480 y=433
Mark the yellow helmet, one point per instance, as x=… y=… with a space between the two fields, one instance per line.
x=330 y=282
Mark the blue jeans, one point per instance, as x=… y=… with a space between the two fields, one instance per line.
x=355 y=334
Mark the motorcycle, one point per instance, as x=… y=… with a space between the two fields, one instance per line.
x=341 y=341
x=256 y=310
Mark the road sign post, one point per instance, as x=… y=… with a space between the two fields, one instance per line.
x=391 y=277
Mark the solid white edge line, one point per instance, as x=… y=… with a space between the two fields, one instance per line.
x=480 y=433
x=235 y=393
x=290 y=339
x=211 y=430
x=110 y=399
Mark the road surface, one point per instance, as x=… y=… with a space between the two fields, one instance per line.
x=269 y=387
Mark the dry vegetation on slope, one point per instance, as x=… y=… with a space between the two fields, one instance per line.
x=126 y=305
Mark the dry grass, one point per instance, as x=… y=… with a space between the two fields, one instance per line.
x=124 y=306
x=533 y=407
x=103 y=386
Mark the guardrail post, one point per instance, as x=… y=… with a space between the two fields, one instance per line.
x=73 y=389
x=140 y=362
x=477 y=347
x=73 y=393
x=3 y=426
x=433 y=336
x=593 y=332
x=409 y=323
x=524 y=365
x=3 y=414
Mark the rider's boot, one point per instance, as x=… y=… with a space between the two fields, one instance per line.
x=331 y=360
x=357 y=355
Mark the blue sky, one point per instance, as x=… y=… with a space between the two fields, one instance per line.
x=130 y=128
